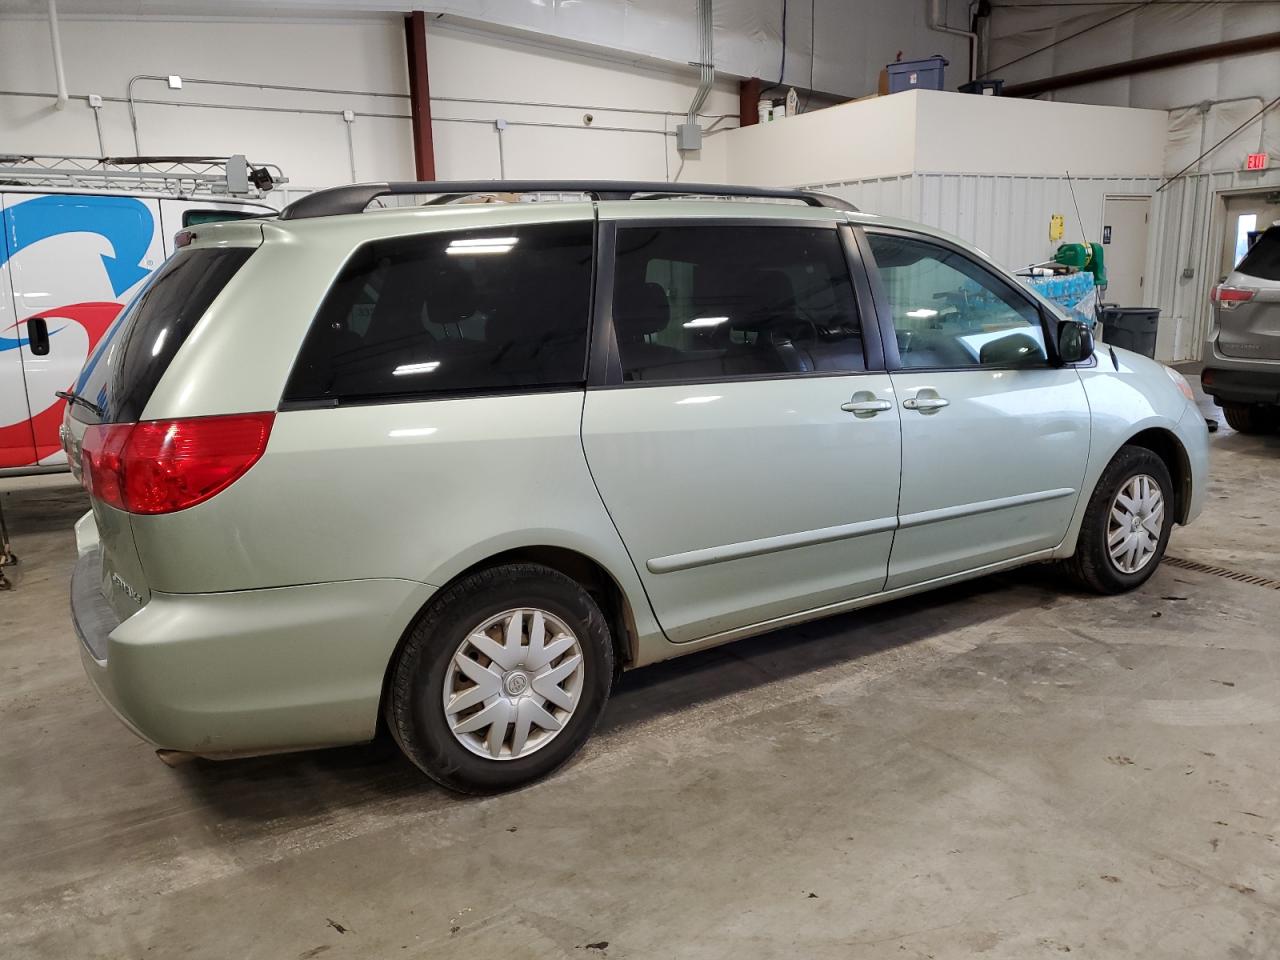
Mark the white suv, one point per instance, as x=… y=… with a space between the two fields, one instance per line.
x=456 y=465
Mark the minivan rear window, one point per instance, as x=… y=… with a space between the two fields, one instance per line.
x=1263 y=259
x=124 y=371
x=482 y=311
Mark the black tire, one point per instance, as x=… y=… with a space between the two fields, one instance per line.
x=1251 y=417
x=1092 y=565
x=414 y=707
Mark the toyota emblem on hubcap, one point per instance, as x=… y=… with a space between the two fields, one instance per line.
x=517 y=683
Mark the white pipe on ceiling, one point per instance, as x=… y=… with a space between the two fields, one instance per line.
x=59 y=74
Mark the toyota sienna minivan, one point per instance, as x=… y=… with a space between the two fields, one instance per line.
x=450 y=468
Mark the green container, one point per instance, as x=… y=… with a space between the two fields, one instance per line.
x=1084 y=256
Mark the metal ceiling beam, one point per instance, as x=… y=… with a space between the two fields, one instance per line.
x=1160 y=61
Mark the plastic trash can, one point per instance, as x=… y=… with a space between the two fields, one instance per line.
x=1130 y=328
x=916 y=74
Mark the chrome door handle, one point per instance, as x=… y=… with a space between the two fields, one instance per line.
x=926 y=404
x=866 y=408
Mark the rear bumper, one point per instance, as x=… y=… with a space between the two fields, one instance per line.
x=253 y=671
x=1242 y=386
x=1239 y=379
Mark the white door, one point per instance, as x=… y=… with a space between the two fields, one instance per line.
x=994 y=437
x=74 y=261
x=1124 y=245
x=748 y=459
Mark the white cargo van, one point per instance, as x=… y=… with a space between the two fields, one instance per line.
x=80 y=236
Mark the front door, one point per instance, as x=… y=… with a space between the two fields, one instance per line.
x=994 y=437
x=743 y=449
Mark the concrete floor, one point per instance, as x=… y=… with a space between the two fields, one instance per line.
x=1008 y=769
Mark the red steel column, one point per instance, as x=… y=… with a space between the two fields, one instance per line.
x=415 y=47
x=748 y=101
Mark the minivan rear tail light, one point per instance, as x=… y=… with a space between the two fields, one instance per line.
x=162 y=466
x=1228 y=298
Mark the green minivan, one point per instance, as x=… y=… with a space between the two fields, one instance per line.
x=451 y=467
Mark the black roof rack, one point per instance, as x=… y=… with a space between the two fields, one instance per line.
x=357 y=196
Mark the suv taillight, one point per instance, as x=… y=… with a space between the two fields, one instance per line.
x=1228 y=298
x=162 y=466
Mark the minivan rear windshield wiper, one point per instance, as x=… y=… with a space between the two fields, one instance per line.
x=70 y=397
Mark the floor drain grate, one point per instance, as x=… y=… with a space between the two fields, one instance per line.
x=1222 y=572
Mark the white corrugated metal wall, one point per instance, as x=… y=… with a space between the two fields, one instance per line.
x=1008 y=218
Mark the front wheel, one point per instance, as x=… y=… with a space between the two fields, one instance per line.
x=1126 y=524
x=1251 y=417
x=502 y=679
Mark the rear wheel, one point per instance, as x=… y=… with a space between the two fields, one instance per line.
x=1251 y=417
x=502 y=679
x=1126 y=524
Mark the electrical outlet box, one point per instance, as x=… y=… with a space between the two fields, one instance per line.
x=95 y=101
x=175 y=82
x=688 y=136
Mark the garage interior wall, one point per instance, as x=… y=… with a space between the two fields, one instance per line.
x=1206 y=101
x=1077 y=36
x=624 y=62
x=835 y=46
x=634 y=107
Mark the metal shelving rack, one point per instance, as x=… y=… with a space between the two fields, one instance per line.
x=232 y=176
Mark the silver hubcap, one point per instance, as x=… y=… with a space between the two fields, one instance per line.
x=1137 y=518
x=513 y=684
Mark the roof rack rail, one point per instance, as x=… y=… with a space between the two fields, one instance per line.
x=357 y=196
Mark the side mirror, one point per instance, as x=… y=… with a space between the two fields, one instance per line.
x=1012 y=349
x=1075 y=342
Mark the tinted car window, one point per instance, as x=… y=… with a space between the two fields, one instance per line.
x=949 y=312
x=699 y=302
x=1263 y=259
x=448 y=313
x=123 y=372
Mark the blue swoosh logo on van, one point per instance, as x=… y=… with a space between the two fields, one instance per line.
x=124 y=222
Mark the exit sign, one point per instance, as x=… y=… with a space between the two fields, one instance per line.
x=1256 y=161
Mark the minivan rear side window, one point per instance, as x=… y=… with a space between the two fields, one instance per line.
x=480 y=311
x=1263 y=259
x=710 y=302
x=123 y=372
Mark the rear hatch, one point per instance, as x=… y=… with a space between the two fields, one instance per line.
x=1247 y=304
x=117 y=381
